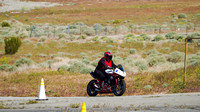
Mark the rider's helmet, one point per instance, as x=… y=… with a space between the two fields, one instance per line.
x=108 y=56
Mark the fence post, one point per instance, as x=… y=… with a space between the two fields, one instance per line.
x=68 y=32
x=54 y=31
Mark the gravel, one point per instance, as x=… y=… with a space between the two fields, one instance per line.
x=10 y=5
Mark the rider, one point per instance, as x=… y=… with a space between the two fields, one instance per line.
x=103 y=64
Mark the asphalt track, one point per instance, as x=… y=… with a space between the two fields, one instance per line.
x=184 y=102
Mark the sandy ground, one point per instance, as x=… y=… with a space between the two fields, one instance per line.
x=10 y=5
x=184 y=102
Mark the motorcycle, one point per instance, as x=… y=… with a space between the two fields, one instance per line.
x=115 y=83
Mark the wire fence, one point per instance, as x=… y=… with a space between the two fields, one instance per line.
x=53 y=31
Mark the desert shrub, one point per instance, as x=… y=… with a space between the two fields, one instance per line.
x=177 y=83
x=165 y=85
x=1 y=41
x=194 y=35
x=182 y=15
x=158 y=37
x=139 y=38
x=23 y=61
x=3 y=60
x=79 y=67
x=148 y=87
x=5 y=24
x=86 y=61
x=139 y=62
x=153 y=52
x=63 y=68
x=39 y=43
x=94 y=63
x=132 y=51
x=167 y=49
x=42 y=55
x=176 y=56
x=53 y=55
x=171 y=35
x=155 y=60
x=7 y=68
x=63 y=35
x=129 y=35
x=46 y=64
x=86 y=70
x=29 y=55
x=109 y=40
x=23 y=34
x=145 y=37
x=83 y=36
x=88 y=31
x=173 y=40
x=27 y=41
x=142 y=67
x=198 y=44
x=12 y=45
x=194 y=59
x=131 y=39
x=109 y=46
x=42 y=38
x=95 y=39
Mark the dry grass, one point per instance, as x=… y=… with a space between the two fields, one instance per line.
x=74 y=84
x=91 y=12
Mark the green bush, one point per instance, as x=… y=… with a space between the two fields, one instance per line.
x=29 y=55
x=129 y=35
x=39 y=43
x=86 y=61
x=158 y=37
x=145 y=37
x=142 y=67
x=95 y=39
x=12 y=45
x=86 y=70
x=46 y=64
x=5 y=24
x=27 y=41
x=79 y=67
x=153 y=52
x=42 y=55
x=109 y=46
x=1 y=41
x=171 y=35
x=23 y=61
x=182 y=15
x=148 y=87
x=155 y=60
x=7 y=68
x=176 y=56
x=132 y=51
x=194 y=59
x=83 y=36
x=42 y=39
x=131 y=39
x=63 y=68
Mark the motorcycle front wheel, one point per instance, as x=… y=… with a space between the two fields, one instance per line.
x=91 y=88
x=121 y=88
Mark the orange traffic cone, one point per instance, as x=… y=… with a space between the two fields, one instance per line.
x=83 y=109
x=42 y=94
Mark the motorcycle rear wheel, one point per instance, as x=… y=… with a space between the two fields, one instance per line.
x=91 y=88
x=121 y=88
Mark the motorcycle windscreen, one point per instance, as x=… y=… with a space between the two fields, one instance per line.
x=120 y=72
